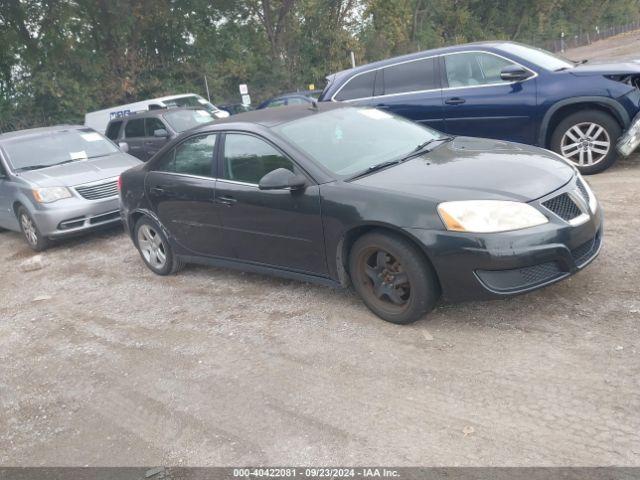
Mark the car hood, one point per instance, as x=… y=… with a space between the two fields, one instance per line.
x=619 y=68
x=82 y=171
x=476 y=169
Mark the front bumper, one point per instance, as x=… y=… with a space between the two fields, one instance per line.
x=486 y=266
x=76 y=215
x=630 y=140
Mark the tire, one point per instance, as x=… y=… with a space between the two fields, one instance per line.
x=31 y=232
x=154 y=248
x=379 y=264
x=581 y=139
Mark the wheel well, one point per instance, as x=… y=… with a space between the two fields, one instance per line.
x=564 y=112
x=134 y=217
x=354 y=234
x=16 y=206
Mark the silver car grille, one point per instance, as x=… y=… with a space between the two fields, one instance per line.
x=99 y=191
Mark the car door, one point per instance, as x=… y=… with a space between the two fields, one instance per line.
x=153 y=144
x=411 y=89
x=181 y=189
x=280 y=228
x=7 y=217
x=478 y=103
x=134 y=136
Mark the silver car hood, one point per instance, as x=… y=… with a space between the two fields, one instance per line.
x=82 y=171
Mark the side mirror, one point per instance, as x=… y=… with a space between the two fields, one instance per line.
x=514 y=73
x=282 y=179
x=124 y=147
x=160 y=133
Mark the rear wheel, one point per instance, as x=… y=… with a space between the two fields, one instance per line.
x=154 y=248
x=588 y=140
x=31 y=232
x=392 y=277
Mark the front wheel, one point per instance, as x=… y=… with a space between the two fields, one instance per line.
x=30 y=230
x=392 y=277
x=588 y=140
x=154 y=248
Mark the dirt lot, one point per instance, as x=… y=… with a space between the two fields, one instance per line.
x=103 y=363
x=621 y=47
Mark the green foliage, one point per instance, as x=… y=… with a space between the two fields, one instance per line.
x=62 y=58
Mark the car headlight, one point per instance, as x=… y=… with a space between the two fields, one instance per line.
x=51 y=194
x=488 y=216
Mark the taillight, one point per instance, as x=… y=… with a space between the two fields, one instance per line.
x=120 y=183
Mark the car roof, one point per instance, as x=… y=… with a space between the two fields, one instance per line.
x=154 y=113
x=39 y=131
x=496 y=44
x=271 y=117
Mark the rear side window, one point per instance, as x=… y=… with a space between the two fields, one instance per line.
x=152 y=124
x=113 y=129
x=134 y=128
x=360 y=86
x=411 y=77
x=192 y=157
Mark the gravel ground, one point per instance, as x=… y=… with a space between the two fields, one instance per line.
x=103 y=363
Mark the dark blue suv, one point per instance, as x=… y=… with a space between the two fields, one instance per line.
x=504 y=90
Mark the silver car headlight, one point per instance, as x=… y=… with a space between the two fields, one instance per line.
x=51 y=194
x=630 y=140
x=489 y=216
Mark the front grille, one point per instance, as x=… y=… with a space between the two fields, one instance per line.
x=563 y=206
x=583 y=253
x=520 y=279
x=99 y=191
x=583 y=190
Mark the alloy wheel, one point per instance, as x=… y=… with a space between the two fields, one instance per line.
x=585 y=144
x=29 y=229
x=386 y=280
x=152 y=247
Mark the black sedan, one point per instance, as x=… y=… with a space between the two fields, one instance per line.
x=338 y=195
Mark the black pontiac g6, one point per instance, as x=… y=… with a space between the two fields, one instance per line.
x=337 y=195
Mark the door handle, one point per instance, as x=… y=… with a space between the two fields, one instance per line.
x=161 y=190
x=455 y=101
x=226 y=201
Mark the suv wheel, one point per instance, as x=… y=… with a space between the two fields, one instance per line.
x=154 y=248
x=392 y=277
x=31 y=232
x=588 y=140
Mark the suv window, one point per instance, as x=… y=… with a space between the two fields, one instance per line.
x=134 y=128
x=247 y=158
x=152 y=124
x=411 y=77
x=192 y=157
x=360 y=86
x=113 y=129
x=474 y=68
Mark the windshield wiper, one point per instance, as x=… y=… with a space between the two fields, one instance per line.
x=420 y=148
x=31 y=167
x=373 y=168
x=424 y=145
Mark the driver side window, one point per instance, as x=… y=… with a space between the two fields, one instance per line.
x=474 y=68
x=247 y=159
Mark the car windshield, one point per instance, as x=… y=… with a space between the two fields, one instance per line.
x=191 y=101
x=185 y=119
x=350 y=140
x=56 y=147
x=537 y=56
